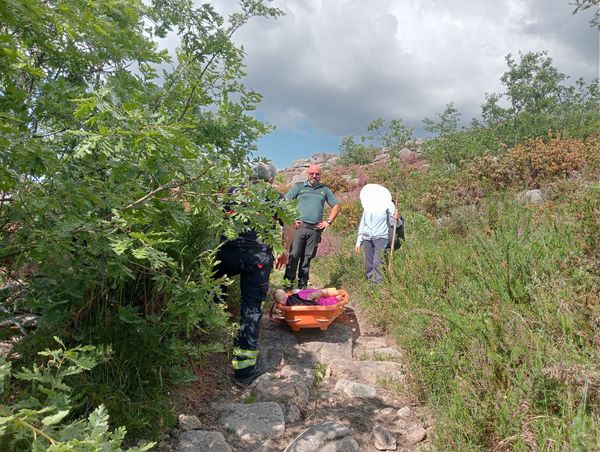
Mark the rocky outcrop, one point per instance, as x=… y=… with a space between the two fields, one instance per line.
x=251 y=422
x=297 y=171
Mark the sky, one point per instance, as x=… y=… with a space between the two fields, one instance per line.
x=329 y=67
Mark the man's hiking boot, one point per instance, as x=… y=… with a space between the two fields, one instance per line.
x=249 y=378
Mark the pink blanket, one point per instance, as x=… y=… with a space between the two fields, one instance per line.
x=323 y=301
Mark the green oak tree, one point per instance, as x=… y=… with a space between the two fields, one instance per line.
x=393 y=135
x=538 y=101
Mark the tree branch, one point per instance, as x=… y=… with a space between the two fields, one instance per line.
x=248 y=14
x=167 y=186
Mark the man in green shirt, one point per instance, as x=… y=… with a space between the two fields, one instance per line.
x=311 y=196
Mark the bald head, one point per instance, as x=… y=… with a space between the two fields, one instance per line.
x=314 y=169
x=314 y=175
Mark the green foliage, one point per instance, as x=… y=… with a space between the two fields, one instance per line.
x=393 y=136
x=40 y=418
x=448 y=147
x=117 y=176
x=582 y=5
x=589 y=217
x=351 y=211
x=320 y=372
x=537 y=103
x=540 y=101
x=447 y=123
x=497 y=312
x=352 y=153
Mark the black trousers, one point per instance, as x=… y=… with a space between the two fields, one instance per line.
x=254 y=265
x=303 y=250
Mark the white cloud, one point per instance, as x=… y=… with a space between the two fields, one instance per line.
x=288 y=118
x=337 y=64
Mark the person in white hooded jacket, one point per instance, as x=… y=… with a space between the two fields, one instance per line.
x=373 y=237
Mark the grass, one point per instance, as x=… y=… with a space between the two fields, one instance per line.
x=250 y=398
x=133 y=382
x=498 y=315
x=374 y=356
x=320 y=372
x=496 y=305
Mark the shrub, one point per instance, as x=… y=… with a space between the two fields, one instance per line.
x=352 y=153
x=538 y=160
x=351 y=211
x=117 y=177
x=532 y=163
x=40 y=416
x=337 y=182
x=440 y=199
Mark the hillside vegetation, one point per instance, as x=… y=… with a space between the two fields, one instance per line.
x=495 y=295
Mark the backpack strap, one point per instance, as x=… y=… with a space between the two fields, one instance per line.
x=387 y=218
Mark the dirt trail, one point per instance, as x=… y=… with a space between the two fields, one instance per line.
x=345 y=388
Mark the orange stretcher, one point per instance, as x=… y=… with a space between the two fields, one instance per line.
x=301 y=316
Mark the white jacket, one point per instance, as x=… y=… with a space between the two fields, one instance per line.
x=375 y=225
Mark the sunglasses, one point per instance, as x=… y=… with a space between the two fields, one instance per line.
x=314 y=174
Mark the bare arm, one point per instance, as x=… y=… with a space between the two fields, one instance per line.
x=287 y=235
x=335 y=210
x=280 y=296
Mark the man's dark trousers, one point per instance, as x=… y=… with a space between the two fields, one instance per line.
x=374 y=250
x=303 y=250
x=254 y=265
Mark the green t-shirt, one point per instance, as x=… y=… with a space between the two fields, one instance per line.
x=311 y=200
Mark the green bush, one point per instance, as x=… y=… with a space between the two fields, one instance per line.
x=40 y=417
x=533 y=164
x=352 y=153
x=541 y=106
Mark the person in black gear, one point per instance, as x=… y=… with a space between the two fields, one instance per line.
x=248 y=257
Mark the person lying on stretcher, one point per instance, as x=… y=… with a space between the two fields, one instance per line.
x=308 y=297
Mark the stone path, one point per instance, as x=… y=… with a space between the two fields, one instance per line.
x=324 y=391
